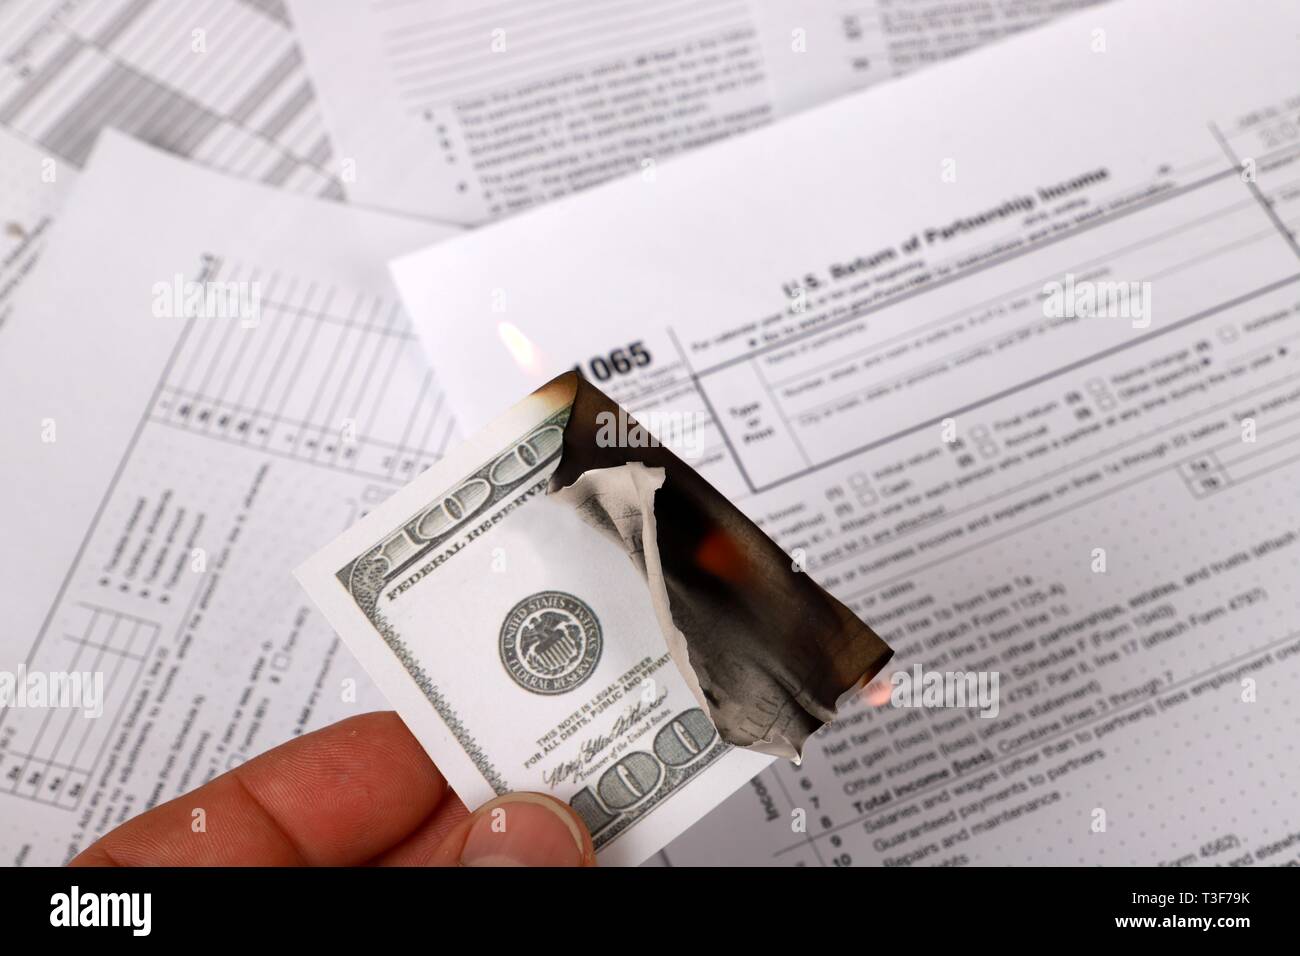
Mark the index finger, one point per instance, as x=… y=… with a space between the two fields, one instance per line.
x=335 y=797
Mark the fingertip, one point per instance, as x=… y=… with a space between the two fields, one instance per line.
x=521 y=829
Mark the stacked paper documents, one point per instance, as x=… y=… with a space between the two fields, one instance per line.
x=669 y=407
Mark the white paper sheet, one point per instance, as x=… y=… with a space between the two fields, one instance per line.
x=1007 y=354
x=465 y=112
x=165 y=473
x=220 y=82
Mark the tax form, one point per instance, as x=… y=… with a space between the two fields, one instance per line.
x=168 y=460
x=465 y=111
x=221 y=83
x=1008 y=355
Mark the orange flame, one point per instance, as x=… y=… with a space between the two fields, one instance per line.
x=520 y=347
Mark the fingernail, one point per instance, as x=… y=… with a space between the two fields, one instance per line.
x=523 y=829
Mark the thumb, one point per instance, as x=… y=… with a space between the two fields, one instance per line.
x=518 y=829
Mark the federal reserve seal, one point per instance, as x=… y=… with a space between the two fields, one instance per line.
x=550 y=642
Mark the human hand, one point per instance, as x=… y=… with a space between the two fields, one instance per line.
x=361 y=791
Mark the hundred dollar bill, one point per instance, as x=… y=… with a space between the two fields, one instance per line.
x=559 y=607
